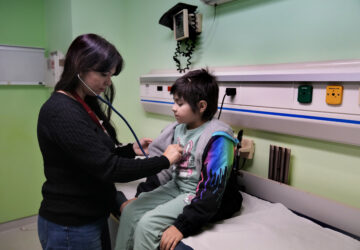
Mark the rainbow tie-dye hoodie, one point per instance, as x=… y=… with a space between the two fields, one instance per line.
x=214 y=159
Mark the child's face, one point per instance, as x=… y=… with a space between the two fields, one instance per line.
x=184 y=114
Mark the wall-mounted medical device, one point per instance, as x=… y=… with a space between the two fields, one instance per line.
x=267 y=98
x=181 y=25
x=334 y=94
x=186 y=24
x=305 y=93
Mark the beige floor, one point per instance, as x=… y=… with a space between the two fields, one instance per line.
x=20 y=238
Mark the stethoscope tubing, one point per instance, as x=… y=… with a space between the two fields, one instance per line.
x=117 y=112
x=123 y=118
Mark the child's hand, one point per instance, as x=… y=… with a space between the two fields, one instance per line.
x=144 y=143
x=170 y=238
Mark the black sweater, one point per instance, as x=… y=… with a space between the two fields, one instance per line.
x=81 y=164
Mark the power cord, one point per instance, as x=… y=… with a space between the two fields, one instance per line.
x=228 y=92
x=215 y=5
x=243 y=164
x=222 y=103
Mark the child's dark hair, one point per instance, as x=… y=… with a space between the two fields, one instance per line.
x=195 y=86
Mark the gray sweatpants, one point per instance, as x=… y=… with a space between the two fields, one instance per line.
x=143 y=221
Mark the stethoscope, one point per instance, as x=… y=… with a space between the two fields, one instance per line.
x=117 y=112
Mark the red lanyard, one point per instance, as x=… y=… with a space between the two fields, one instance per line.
x=88 y=110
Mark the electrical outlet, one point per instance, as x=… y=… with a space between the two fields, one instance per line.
x=247 y=148
x=334 y=94
x=230 y=91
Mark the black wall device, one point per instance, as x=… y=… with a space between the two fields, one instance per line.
x=186 y=25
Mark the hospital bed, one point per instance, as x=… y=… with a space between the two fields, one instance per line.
x=261 y=224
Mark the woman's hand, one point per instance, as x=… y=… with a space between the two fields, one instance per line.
x=145 y=142
x=170 y=238
x=125 y=204
x=173 y=152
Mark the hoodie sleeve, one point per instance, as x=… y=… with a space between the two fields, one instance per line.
x=157 y=148
x=216 y=169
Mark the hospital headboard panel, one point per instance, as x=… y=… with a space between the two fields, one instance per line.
x=266 y=98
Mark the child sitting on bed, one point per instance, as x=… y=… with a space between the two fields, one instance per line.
x=192 y=192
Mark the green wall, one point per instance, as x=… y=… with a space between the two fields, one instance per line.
x=58 y=24
x=243 y=32
x=254 y=32
x=21 y=173
x=22 y=23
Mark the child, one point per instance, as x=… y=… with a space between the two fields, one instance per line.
x=192 y=190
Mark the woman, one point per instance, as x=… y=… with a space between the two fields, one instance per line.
x=82 y=156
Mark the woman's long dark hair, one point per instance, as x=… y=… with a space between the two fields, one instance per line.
x=91 y=52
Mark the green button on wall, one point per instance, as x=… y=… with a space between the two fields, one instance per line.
x=305 y=93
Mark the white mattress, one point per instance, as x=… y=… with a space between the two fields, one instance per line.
x=263 y=225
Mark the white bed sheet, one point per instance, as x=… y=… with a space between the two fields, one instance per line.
x=263 y=225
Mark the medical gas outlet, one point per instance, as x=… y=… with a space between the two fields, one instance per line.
x=334 y=94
